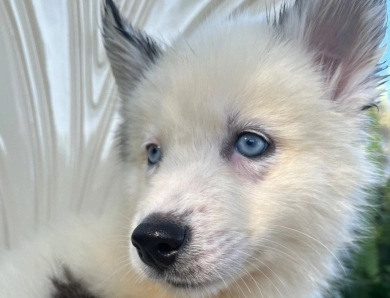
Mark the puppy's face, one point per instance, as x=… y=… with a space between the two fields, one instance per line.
x=240 y=148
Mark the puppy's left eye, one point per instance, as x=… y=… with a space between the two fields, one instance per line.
x=154 y=154
x=251 y=145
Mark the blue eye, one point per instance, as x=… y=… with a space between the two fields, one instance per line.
x=251 y=145
x=154 y=154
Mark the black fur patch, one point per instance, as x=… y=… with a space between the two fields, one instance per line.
x=70 y=287
x=141 y=41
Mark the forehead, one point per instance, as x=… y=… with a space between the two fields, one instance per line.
x=246 y=73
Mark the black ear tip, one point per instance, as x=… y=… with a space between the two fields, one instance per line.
x=111 y=12
x=110 y=5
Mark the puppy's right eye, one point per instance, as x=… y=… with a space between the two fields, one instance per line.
x=154 y=154
x=251 y=145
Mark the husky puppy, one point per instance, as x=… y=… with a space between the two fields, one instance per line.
x=243 y=161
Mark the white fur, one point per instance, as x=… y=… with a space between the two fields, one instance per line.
x=274 y=227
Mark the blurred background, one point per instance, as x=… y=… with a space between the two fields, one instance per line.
x=57 y=119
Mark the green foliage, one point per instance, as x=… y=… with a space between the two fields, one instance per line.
x=370 y=269
x=369 y=276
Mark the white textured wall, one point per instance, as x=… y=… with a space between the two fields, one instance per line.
x=57 y=102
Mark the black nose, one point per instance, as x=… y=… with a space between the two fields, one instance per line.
x=158 y=240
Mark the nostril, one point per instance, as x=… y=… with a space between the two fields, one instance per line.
x=164 y=248
x=172 y=245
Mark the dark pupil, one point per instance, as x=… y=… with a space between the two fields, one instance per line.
x=154 y=150
x=250 y=142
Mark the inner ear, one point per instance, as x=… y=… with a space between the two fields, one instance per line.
x=344 y=37
x=336 y=35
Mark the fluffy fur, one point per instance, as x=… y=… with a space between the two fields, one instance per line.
x=274 y=226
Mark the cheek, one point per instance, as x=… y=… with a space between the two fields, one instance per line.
x=247 y=169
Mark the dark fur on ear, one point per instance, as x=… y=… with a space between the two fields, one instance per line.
x=130 y=53
x=345 y=37
x=136 y=38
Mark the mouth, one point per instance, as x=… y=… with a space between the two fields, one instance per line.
x=178 y=282
x=181 y=285
x=189 y=285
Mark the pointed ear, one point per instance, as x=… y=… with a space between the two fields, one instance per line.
x=345 y=38
x=129 y=51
